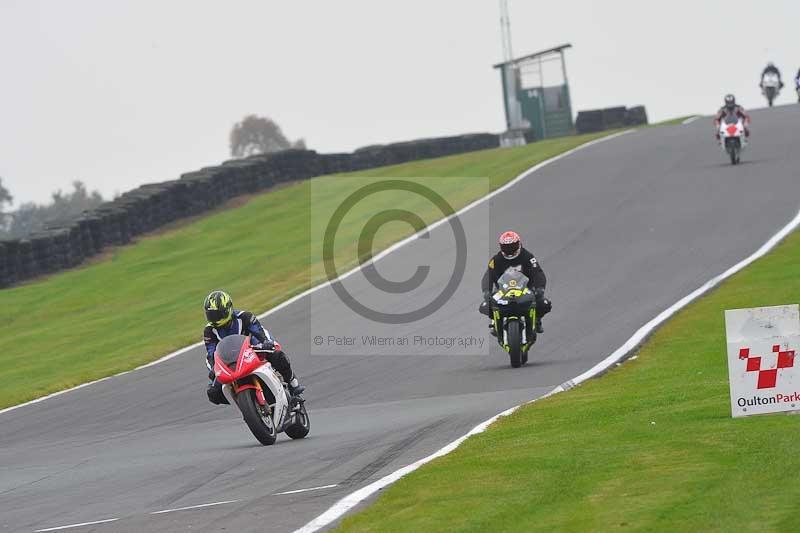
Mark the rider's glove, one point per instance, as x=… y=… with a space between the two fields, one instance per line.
x=266 y=346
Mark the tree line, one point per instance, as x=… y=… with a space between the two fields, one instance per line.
x=30 y=217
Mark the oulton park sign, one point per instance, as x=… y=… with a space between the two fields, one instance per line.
x=764 y=376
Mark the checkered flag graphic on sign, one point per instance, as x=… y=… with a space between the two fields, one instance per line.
x=768 y=377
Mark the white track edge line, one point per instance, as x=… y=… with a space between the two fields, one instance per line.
x=341 y=507
x=326 y=284
x=298 y=491
x=351 y=500
x=107 y=520
x=188 y=507
x=691 y=119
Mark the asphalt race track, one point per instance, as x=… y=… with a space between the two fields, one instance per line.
x=623 y=229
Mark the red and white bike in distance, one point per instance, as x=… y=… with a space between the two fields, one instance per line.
x=250 y=382
x=732 y=137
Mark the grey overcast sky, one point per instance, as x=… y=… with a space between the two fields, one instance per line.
x=120 y=93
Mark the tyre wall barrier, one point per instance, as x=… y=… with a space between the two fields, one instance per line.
x=154 y=205
x=610 y=118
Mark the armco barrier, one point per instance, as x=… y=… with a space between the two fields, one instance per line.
x=610 y=118
x=154 y=205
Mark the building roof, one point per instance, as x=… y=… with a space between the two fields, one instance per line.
x=534 y=55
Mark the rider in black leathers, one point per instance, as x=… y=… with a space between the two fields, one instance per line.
x=512 y=254
x=797 y=84
x=771 y=69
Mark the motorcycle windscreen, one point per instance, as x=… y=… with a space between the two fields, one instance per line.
x=512 y=279
x=229 y=348
x=731 y=118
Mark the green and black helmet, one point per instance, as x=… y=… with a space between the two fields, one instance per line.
x=219 y=308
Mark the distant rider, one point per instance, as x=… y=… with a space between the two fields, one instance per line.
x=771 y=69
x=730 y=108
x=224 y=320
x=512 y=254
x=797 y=84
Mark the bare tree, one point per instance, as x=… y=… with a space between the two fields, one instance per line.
x=30 y=217
x=259 y=135
x=5 y=198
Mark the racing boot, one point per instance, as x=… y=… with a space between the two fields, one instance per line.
x=539 y=328
x=295 y=389
x=492 y=332
x=215 y=395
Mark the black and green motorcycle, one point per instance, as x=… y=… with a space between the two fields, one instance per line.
x=514 y=316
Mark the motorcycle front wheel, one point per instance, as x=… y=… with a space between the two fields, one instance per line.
x=514 y=343
x=733 y=149
x=257 y=418
x=734 y=153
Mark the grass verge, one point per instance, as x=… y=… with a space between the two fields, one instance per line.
x=671 y=122
x=141 y=301
x=649 y=446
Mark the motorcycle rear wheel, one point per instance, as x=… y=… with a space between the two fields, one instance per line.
x=257 y=418
x=514 y=343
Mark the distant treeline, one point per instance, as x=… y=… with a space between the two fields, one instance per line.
x=30 y=217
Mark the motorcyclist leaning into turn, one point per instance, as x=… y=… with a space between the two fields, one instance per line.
x=771 y=69
x=224 y=320
x=731 y=108
x=512 y=254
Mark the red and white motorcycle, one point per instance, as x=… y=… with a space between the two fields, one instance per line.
x=250 y=382
x=732 y=137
